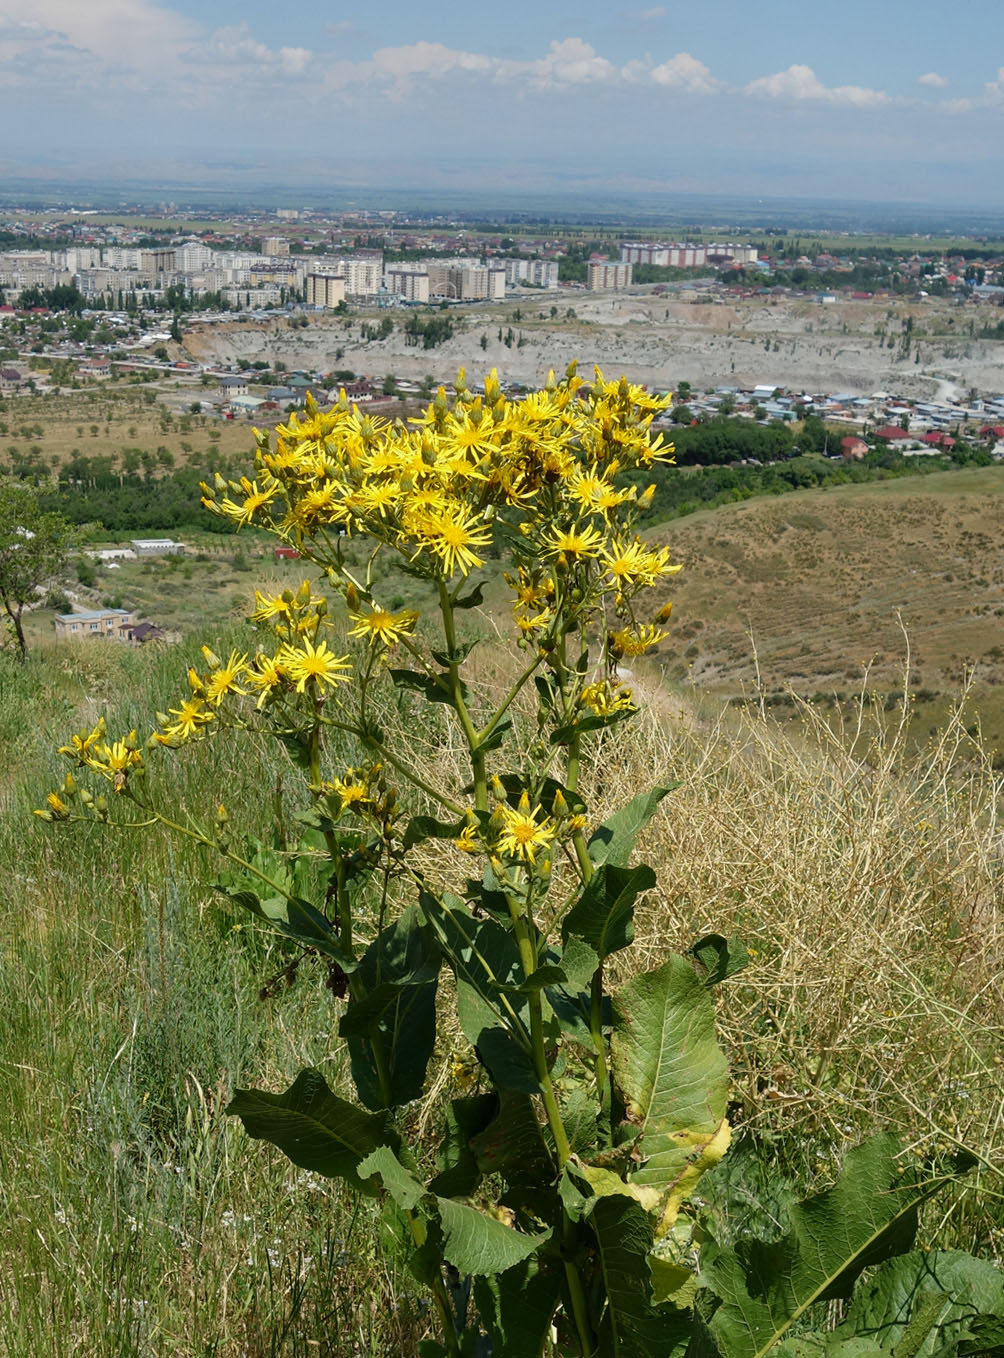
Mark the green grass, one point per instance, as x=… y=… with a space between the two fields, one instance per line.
x=140 y=1219
x=137 y=1219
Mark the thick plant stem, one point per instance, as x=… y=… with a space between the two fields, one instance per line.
x=587 y=872
x=576 y=1292
x=444 y=1310
x=459 y=705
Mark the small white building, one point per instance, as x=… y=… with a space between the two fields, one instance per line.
x=110 y=554
x=157 y=547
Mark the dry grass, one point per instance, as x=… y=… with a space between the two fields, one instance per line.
x=867 y=882
x=824 y=580
x=866 y=876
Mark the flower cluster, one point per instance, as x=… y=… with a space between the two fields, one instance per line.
x=542 y=476
x=438 y=493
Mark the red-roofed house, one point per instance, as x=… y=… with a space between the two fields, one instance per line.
x=891 y=432
x=939 y=440
x=992 y=431
x=853 y=447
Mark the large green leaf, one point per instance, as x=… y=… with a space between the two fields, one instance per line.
x=314 y=1127
x=516 y=1307
x=631 y=1325
x=957 y=1288
x=671 y=1077
x=513 y=1143
x=826 y=1346
x=486 y=962
x=288 y=914
x=869 y=1215
x=435 y=688
x=603 y=916
x=398 y=1009
x=476 y=1243
x=473 y=1241
x=460 y=1172
x=720 y=957
x=613 y=841
x=397 y=1181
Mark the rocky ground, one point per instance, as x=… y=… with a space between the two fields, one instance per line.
x=919 y=349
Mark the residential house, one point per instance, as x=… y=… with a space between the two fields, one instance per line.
x=102 y=624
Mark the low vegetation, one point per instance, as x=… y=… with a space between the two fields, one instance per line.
x=829 y=890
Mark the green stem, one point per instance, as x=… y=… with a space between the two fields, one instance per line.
x=576 y=1292
x=587 y=872
x=419 y=1234
x=509 y=699
x=459 y=705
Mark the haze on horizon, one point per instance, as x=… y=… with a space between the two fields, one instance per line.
x=888 y=103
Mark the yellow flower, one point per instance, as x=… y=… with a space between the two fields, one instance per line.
x=626 y=642
x=224 y=679
x=276 y=606
x=453 y=535
x=632 y=564
x=81 y=746
x=603 y=698
x=466 y=841
x=313 y=665
x=378 y=625
x=575 y=542
x=522 y=834
x=255 y=498
x=192 y=715
x=267 y=674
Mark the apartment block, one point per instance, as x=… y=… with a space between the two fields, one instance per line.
x=686 y=256
x=540 y=273
x=602 y=276
x=410 y=284
x=325 y=290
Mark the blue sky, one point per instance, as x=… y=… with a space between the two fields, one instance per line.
x=885 y=100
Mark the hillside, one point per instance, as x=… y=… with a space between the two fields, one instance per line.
x=823 y=583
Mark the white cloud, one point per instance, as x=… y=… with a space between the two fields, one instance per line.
x=132 y=33
x=569 y=62
x=801 y=82
x=933 y=79
x=646 y=16
x=234 y=47
x=685 y=72
x=421 y=58
x=342 y=28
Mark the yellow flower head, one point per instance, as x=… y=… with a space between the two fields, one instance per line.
x=317 y=665
x=583 y=541
x=224 y=678
x=378 y=626
x=452 y=536
x=523 y=834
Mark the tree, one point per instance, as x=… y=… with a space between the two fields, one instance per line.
x=33 y=548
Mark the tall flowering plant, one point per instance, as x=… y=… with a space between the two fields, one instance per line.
x=552 y=1212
